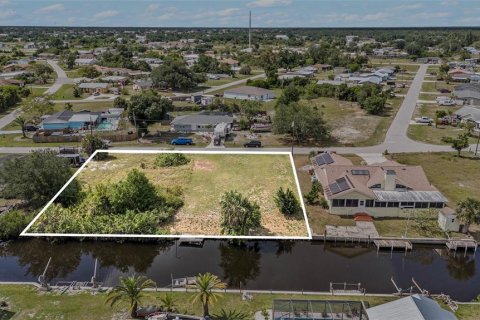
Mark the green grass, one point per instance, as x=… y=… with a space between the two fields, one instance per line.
x=433 y=87
x=426 y=96
x=457 y=178
x=204 y=180
x=381 y=129
x=73 y=73
x=65 y=93
x=26 y=303
x=395 y=227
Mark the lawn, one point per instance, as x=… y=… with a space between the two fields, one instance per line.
x=434 y=86
x=432 y=134
x=457 y=178
x=65 y=93
x=25 y=302
x=385 y=120
x=203 y=181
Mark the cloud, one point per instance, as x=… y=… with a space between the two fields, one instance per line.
x=268 y=3
x=51 y=9
x=450 y=3
x=106 y=14
x=408 y=6
x=430 y=15
x=7 y=13
x=153 y=7
x=165 y=16
x=355 y=17
x=4 y=2
x=219 y=13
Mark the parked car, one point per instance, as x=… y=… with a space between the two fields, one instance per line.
x=444 y=90
x=253 y=144
x=96 y=93
x=31 y=127
x=182 y=141
x=446 y=102
x=424 y=120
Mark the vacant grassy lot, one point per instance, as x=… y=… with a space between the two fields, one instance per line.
x=204 y=180
x=65 y=93
x=26 y=303
x=457 y=178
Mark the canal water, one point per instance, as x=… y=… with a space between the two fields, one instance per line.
x=284 y=265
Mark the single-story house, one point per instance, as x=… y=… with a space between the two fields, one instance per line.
x=142 y=85
x=323 y=67
x=414 y=307
x=433 y=60
x=249 y=93
x=380 y=190
x=115 y=79
x=12 y=82
x=458 y=74
x=469 y=93
x=85 y=62
x=92 y=87
x=332 y=82
x=29 y=45
x=448 y=220
x=67 y=119
x=201 y=122
x=469 y=114
x=234 y=64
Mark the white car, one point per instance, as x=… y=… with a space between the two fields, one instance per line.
x=424 y=120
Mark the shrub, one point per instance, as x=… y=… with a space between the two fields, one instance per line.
x=171 y=160
x=12 y=224
x=287 y=203
x=239 y=215
x=324 y=203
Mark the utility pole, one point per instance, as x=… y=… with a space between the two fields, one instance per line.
x=293 y=135
x=135 y=124
x=250 y=30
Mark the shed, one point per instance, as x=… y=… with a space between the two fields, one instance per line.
x=448 y=220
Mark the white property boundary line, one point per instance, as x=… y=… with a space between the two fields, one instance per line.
x=309 y=237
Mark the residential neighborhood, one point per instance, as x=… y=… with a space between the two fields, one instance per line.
x=235 y=160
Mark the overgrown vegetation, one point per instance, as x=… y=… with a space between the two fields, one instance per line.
x=239 y=215
x=131 y=206
x=287 y=202
x=171 y=160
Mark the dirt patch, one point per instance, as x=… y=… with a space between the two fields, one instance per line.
x=203 y=165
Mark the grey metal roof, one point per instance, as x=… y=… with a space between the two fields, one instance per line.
x=469 y=112
x=93 y=85
x=83 y=117
x=204 y=118
x=410 y=196
x=415 y=307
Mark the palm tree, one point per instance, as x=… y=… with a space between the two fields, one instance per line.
x=206 y=284
x=168 y=303
x=130 y=290
x=468 y=211
x=22 y=123
x=231 y=315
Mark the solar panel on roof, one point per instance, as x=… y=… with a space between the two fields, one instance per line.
x=360 y=172
x=324 y=158
x=339 y=185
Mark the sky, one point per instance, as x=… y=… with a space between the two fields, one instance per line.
x=234 y=13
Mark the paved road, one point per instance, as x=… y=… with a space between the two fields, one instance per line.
x=6 y=120
x=62 y=78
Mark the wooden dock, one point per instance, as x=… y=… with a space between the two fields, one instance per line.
x=393 y=244
x=462 y=244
